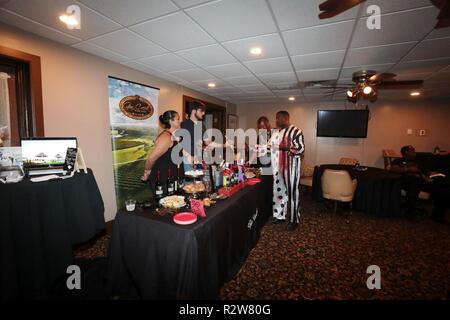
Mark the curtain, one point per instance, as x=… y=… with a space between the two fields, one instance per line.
x=5 y=127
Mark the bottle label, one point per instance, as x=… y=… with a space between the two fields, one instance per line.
x=170 y=189
x=159 y=192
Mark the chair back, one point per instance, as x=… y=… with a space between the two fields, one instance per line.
x=338 y=185
x=348 y=161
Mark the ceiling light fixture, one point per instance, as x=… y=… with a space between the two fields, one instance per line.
x=256 y=51
x=211 y=85
x=349 y=93
x=415 y=94
x=367 y=90
x=291 y=98
x=72 y=17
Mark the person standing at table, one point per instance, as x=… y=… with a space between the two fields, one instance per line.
x=159 y=159
x=261 y=153
x=413 y=180
x=287 y=146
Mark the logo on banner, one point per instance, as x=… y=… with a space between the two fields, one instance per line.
x=136 y=107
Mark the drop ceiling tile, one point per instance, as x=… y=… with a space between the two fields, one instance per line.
x=413 y=76
x=332 y=59
x=332 y=37
x=207 y=56
x=439 y=33
x=314 y=91
x=274 y=78
x=192 y=75
x=389 y=6
x=274 y=65
x=189 y=3
x=92 y=23
x=294 y=14
x=347 y=73
x=142 y=67
x=271 y=46
x=229 y=70
x=243 y=81
x=128 y=12
x=26 y=24
x=99 y=51
x=129 y=44
x=255 y=88
x=421 y=66
x=396 y=28
x=430 y=49
x=167 y=63
x=174 y=32
x=377 y=55
x=318 y=74
x=211 y=79
x=287 y=93
x=234 y=19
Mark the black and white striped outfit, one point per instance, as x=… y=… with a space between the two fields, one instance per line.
x=286 y=173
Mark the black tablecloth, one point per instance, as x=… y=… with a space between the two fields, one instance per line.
x=378 y=191
x=151 y=257
x=39 y=224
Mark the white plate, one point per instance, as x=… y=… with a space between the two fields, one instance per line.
x=163 y=202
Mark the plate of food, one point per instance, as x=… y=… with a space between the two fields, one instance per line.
x=172 y=202
x=194 y=188
x=194 y=173
x=184 y=218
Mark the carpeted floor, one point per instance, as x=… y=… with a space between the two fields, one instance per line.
x=327 y=258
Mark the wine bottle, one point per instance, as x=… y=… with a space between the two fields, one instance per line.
x=170 y=184
x=158 y=187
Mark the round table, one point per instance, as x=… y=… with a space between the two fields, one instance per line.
x=39 y=224
x=378 y=191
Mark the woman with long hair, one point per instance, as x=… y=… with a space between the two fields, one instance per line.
x=159 y=159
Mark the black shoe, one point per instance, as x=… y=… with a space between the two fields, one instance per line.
x=291 y=226
x=274 y=220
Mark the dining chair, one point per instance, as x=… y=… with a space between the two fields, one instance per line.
x=338 y=186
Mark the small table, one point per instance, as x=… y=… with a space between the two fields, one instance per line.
x=151 y=257
x=378 y=190
x=39 y=224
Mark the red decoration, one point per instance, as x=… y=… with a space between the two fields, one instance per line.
x=198 y=208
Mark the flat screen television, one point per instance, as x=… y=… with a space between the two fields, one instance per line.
x=46 y=152
x=342 y=123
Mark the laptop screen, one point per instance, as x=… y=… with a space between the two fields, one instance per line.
x=46 y=152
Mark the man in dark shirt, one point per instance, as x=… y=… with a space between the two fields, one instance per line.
x=413 y=181
x=196 y=128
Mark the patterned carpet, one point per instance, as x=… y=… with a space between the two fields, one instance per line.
x=327 y=258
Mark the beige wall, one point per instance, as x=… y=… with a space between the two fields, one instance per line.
x=388 y=124
x=75 y=99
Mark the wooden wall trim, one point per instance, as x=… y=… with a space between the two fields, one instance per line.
x=34 y=63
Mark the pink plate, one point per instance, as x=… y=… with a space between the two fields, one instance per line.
x=185 y=218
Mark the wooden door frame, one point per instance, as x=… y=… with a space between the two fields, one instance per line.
x=34 y=65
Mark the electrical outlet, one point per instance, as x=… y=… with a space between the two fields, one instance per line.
x=409 y=132
x=423 y=132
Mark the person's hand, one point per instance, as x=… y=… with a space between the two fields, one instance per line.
x=146 y=175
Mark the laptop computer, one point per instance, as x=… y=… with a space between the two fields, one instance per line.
x=44 y=156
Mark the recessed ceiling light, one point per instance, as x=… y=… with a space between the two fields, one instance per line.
x=291 y=98
x=415 y=94
x=211 y=85
x=69 y=20
x=256 y=51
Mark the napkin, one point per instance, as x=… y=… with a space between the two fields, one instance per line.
x=198 y=208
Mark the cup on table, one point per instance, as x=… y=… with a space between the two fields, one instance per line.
x=130 y=204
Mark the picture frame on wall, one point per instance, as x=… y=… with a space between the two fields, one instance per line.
x=233 y=121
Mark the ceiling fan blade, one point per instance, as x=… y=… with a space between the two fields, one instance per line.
x=407 y=84
x=332 y=8
x=382 y=76
x=443 y=24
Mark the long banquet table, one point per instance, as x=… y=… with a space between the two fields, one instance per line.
x=151 y=257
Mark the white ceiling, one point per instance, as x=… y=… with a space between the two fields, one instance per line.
x=194 y=42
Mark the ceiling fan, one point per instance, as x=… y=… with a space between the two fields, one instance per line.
x=332 y=8
x=368 y=82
